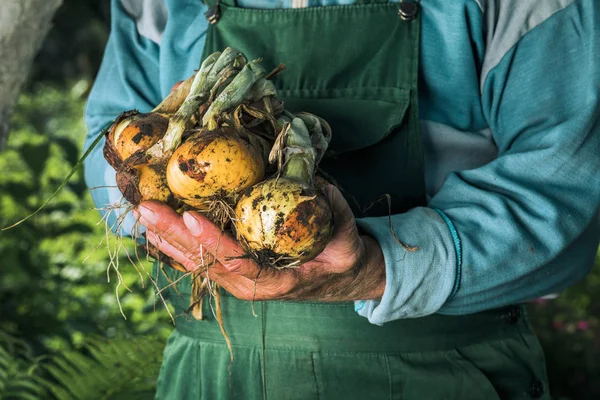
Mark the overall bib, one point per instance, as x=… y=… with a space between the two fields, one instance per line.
x=357 y=67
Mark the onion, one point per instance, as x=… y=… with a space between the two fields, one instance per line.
x=129 y=138
x=218 y=163
x=286 y=221
x=133 y=133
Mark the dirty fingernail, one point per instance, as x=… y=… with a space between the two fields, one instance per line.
x=192 y=224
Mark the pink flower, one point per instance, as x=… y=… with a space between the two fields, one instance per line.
x=583 y=325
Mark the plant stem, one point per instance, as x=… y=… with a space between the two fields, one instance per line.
x=173 y=101
x=234 y=94
x=66 y=180
x=298 y=152
x=204 y=80
x=320 y=133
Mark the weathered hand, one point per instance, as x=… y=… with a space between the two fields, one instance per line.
x=350 y=268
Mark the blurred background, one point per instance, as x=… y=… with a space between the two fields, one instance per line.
x=62 y=333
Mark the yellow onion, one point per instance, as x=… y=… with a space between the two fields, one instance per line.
x=217 y=163
x=138 y=133
x=129 y=138
x=285 y=221
x=144 y=182
x=133 y=133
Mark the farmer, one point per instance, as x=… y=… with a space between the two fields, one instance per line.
x=478 y=118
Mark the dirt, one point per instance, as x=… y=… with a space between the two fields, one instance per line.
x=192 y=169
x=257 y=200
x=145 y=130
x=127 y=181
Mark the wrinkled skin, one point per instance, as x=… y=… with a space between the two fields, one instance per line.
x=351 y=267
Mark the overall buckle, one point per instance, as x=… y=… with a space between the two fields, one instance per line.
x=408 y=10
x=213 y=14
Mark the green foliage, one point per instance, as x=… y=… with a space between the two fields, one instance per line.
x=49 y=296
x=19 y=370
x=117 y=369
x=100 y=369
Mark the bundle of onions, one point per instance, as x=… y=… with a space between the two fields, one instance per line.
x=286 y=221
x=199 y=148
x=203 y=152
x=222 y=158
x=135 y=144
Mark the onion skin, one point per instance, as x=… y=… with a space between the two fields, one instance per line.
x=139 y=134
x=283 y=218
x=144 y=182
x=138 y=177
x=213 y=163
x=133 y=133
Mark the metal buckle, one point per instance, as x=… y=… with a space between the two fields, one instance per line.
x=408 y=10
x=213 y=14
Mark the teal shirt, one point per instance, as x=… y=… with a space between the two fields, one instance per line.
x=509 y=101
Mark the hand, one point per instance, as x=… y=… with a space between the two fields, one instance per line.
x=350 y=268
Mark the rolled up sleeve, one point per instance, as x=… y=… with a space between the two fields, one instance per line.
x=527 y=223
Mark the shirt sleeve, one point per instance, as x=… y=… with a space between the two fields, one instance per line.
x=128 y=79
x=526 y=224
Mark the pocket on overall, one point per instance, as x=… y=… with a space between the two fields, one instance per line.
x=359 y=117
x=375 y=149
x=438 y=375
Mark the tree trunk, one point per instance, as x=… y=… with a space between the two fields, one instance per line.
x=23 y=27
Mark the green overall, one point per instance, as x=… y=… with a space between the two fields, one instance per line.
x=357 y=67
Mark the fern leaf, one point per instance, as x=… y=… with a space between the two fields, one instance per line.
x=18 y=370
x=116 y=369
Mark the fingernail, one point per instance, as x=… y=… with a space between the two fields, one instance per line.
x=192 y=224
x=148 y=217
